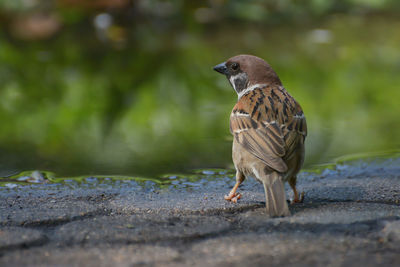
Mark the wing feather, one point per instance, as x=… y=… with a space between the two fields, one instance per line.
x=269 y=124
x=255 y=138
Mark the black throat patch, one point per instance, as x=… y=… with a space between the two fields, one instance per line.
x=239 y=81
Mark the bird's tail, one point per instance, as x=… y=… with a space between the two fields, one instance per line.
x=275 y=196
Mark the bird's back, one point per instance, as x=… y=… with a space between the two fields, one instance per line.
x=275 y=114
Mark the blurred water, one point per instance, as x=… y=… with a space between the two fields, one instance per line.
x=150 y=103
x=196 y=179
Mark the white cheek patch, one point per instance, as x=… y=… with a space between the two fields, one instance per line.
x=232 y=81
x=240 y=76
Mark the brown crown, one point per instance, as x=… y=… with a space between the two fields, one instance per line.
x=258 y=71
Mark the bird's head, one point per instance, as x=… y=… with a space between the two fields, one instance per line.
x=244 y=71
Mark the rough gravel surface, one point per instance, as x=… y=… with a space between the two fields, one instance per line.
x=350 y=217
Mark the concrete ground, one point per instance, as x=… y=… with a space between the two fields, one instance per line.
x=350 y=217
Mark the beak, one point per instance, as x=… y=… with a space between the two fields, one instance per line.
x=221 y=68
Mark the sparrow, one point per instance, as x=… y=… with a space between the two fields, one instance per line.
x=269 y=130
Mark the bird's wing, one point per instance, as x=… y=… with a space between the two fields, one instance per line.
x=293 y=124
x=267 y=127
x=294 y=131
x=264 y=142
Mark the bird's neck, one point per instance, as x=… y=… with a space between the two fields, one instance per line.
x=250 y=88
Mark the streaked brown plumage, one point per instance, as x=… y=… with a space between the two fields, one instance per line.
x=269 y=130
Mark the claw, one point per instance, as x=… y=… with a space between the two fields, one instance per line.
x=236 y=197
x=232 y=195
x=297 y=199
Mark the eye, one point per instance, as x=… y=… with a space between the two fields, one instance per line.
x=235 y=66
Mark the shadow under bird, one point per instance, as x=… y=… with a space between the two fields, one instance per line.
x=269 y=129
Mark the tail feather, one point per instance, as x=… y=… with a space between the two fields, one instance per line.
x=275 y=197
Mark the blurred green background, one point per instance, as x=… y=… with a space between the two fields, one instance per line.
x=127 y=87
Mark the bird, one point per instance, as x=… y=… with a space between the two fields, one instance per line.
x=269 y=130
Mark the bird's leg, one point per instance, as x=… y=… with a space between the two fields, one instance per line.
x=296 y=198
x=233 y=195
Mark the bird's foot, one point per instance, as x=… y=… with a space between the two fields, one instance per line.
x=298 y=199
x=233 y=197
